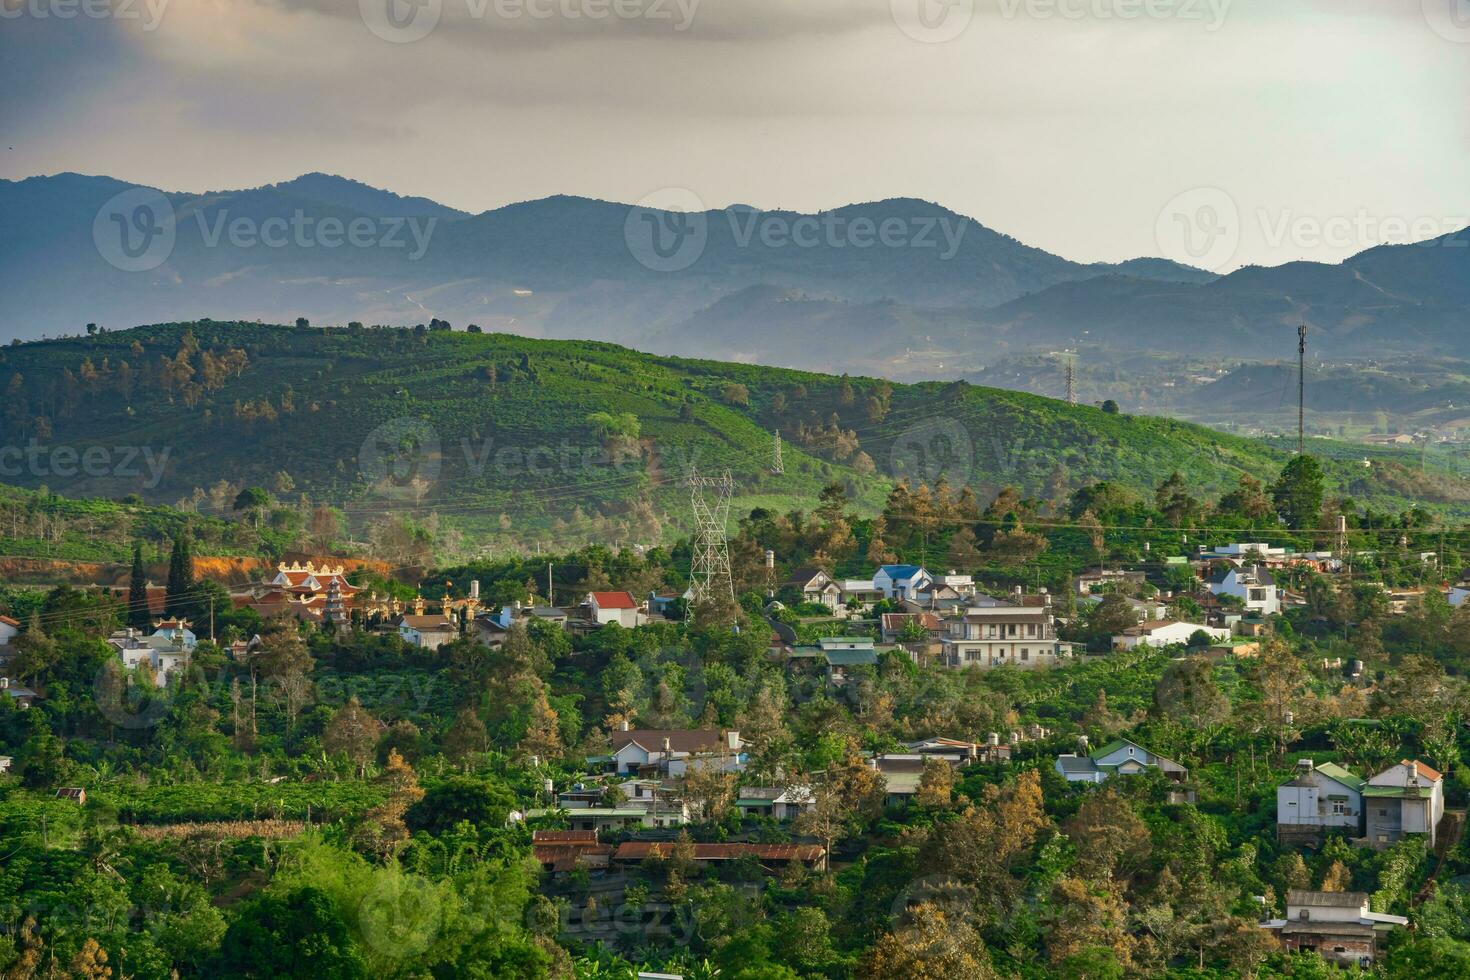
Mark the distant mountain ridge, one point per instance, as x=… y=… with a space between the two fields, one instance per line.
x=899 y=287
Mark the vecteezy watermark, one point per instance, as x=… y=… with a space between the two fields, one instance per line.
x=400 y=915
x=405 y=21
x=932 y=21
x=1210 y=13
x=98 y=462
x=668 y=231
x=401 y=459
x=303 y=230
x=1359 y=230
x=933 y=448
x=135 y=230
x=1450 y=19
x=150 y=12
x=1200 y=227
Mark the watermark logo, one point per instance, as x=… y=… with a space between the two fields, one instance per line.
x=668 y=230
x=831 y=229
x=932 y=448
x=304 y=230
x=150 y=12
x=139 y=463
x=400 y=916
x=1210 y=13
x=125 y=700
x=1201 y=228
x=1357 y=231
x=1450 y=19
x=401 y=459
x=932 y=21
x=135 y=230
x=401 y=21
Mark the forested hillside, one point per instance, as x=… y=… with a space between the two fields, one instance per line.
x=494 y=433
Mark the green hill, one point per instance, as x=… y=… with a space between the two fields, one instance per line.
x=496 y=434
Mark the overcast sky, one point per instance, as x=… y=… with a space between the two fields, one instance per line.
x=1070 y=124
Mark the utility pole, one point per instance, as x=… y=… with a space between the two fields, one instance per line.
x=777 y=467
x=550 y=589
x=709 y=573
x=1301 y=390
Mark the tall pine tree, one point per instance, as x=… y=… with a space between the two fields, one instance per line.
x=178 y=594
x=138 y=612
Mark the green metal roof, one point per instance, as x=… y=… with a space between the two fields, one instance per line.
x=852 y=658
x=1335 y=772
x=1398 y=792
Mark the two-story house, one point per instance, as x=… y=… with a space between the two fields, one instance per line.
x=672 y=751
x=1253 y=585
x=902 y=581
x=158 y=656
x=1404 y=799
x=1317 y=801
x=816 y=586
x=1022 y=634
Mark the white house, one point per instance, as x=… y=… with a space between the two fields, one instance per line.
x=1458 y=595
x=614 y=607
x=902 y=581
x=673 y=749
x=427 y=632
x=1252 y=585
x=1319 y=799
x=9 y=629
x=159 y=655
x=816 y=586
x=861 y=591
x=1163 y=633
x=1404 y=799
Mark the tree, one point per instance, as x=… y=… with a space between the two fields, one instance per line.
x=179 y=591
x=383 y=829
x=1298 y=492
x=931 y=946
x=543 y=737
x=936 y=783
x=1173 y=500
x=1248 y=499
x=1110 y=406
x=90 y=963
x=297 y=934
x=466 y=737
x=286 y=664
x=1111 y=840
x=139 y=614
x=482 y=802
x=253 y=501
x=1187 y=693
x=354 y=733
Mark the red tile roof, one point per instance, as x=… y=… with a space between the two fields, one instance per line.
x=1424 y=771
x=10 y=622
x=614 y=600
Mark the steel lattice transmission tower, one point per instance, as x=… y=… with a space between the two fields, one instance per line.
x=777 y=467
x=710 y=571
x=1071 y=380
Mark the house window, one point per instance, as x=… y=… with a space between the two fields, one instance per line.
x=1382 y=812
x=1338 y=808
x=1025 y=654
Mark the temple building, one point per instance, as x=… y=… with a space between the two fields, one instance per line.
x=302 y=591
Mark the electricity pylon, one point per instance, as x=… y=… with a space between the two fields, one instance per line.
x=777 y=467
x=709 y=574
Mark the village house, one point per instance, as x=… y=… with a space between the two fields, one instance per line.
x=491 y=627
x=670 y=752
x=1253 y=585
x=1319 y=800
x=1096 y=581
x=1021 y=633
x=23 y=696
x=621 y=608
x=5 y=762
x=159 y=656
x=902 y=581
x=1457 y=595
x=427 y=632
x=1144 y=610
x=894 y=627
x=778 y=802
x=861 y=593
x=1404 y=799
x=1165 y=632
x=816 y=586
x=568 y=850
x=1337 y=926
x=1118 y=758
x=9 y=629
x=177 y=630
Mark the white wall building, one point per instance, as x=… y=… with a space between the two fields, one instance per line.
x=1163 y=633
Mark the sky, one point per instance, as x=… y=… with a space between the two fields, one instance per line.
x=1100 y=130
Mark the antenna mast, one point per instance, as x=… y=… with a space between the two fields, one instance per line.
x=1301 y=390
x=777 y=467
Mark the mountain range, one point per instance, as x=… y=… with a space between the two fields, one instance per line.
x=900 y=287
